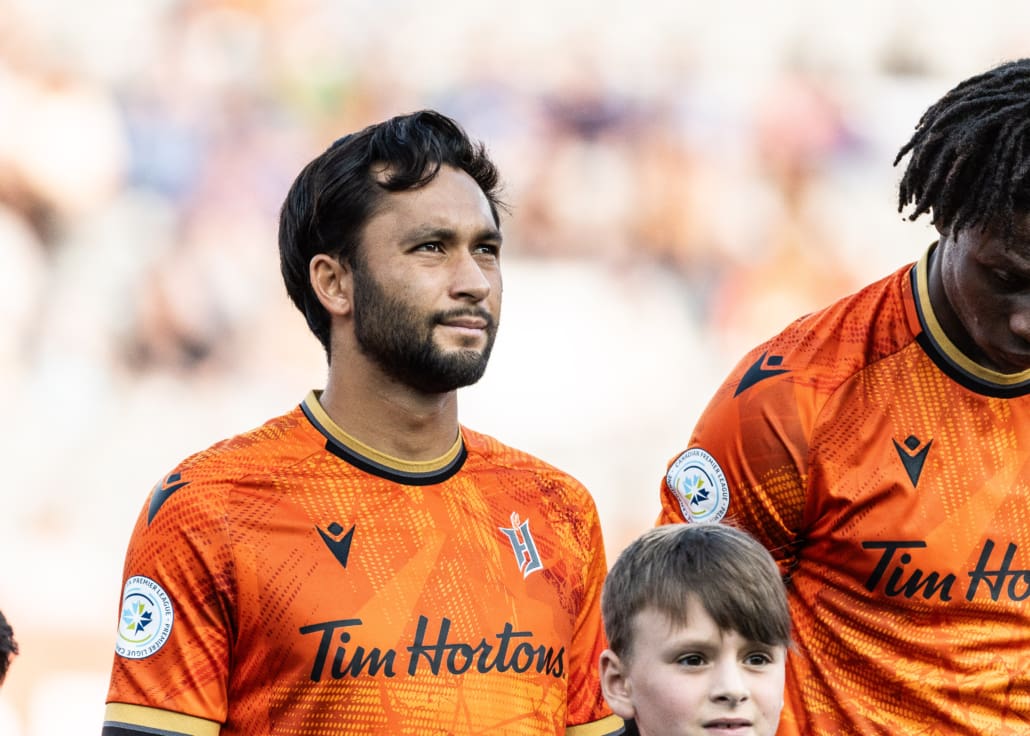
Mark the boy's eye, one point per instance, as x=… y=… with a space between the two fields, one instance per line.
x=691 y=660
x=758 y=659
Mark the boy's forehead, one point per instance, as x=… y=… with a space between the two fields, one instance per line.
x=656 y=629
x=658 y=613
x=691 y=625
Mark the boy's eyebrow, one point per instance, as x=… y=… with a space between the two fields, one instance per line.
x=706 y=643
x=691 y=642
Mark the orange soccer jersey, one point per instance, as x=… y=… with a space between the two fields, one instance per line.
x=293 y=581
x=890 y=477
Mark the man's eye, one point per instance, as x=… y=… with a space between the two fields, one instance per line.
x=1008 y=280
x=433 y=246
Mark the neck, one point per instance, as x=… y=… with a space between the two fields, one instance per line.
x=388 y=416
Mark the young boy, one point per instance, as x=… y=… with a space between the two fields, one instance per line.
x=698 y=629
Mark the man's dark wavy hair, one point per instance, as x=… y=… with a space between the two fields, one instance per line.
x=334 y=196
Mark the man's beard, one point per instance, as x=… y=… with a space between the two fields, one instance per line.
x=399 y=339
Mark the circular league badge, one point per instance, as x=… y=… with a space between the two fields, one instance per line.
x=146 y=620
x=699 y=485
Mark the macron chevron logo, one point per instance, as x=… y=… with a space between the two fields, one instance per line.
x=337 y=541
x=760 y=370
x=162 y=491
x=912 y=456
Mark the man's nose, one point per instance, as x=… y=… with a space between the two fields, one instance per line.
x=469 y=281
x=1019 y=320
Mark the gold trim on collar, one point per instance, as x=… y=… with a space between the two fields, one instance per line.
x=311 y=401
x=946 y=346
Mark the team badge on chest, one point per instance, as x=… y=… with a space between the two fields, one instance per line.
x=522 y=544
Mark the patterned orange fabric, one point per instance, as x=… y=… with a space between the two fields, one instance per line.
x=890 y=477
x=293 y=581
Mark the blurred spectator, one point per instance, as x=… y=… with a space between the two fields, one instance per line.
x=794 y=265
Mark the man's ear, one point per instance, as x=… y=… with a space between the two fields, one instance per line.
x=332 y=283
x=615 y=685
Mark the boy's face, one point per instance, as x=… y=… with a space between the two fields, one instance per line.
x=695 y=679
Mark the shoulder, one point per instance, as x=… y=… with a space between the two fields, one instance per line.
x=776 y=395
x=277 y=441
x=825 y=348
x=207 y=478
x=487 y=451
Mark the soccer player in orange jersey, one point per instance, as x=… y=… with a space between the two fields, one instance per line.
x=880 y=449
x=364 y=564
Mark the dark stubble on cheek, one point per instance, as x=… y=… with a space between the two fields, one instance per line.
x=399 y=340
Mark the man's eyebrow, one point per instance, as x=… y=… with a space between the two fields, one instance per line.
x=491 y=233
x=446 y=234
x=1011 y=259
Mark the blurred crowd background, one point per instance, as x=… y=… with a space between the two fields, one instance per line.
x=685 y=178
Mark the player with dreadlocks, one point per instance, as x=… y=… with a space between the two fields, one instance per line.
x=880 y=449
x=970 y=161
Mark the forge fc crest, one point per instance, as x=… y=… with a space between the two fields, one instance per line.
x=523 y=545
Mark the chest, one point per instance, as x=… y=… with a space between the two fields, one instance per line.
x=919 y=486
x=357 y=576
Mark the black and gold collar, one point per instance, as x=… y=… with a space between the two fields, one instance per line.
x=956 y=364
x=366 y=458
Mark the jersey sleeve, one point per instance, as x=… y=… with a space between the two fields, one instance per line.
x=175 y=624
x=747 y=459
x=587 y=712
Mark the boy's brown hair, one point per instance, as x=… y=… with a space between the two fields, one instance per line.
x=732 y=575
